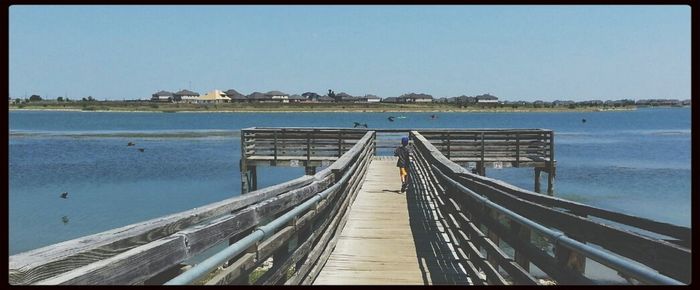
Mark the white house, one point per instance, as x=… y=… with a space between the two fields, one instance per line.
x=371 y=99
x=415 y=98
x=486 y=98
x=186 y=96
x=162 y=96
x=278 y=96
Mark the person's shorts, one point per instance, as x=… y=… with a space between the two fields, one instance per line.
x=403 y=171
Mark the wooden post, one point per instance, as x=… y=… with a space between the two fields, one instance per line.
x=253 y=178
x=552 y=170
x=274 y=148
x=493 y=237
x=310 y=170
x=243 y=164
x=308 y=149
x=448 y=145
x=302 y=235
x=517 y=149
x=523 y=234
x=537 y=179
x=483 y=145
x=570 y=259
x=550 y=182
x=340 y=143
x=279 y=257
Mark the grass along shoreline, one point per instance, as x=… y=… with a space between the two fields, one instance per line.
x=290 y=108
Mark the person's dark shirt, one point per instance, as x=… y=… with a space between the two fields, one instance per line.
x=403 y=153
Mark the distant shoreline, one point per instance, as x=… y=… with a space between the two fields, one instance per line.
x=352 y=109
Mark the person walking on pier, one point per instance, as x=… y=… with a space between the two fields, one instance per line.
x=403 y=152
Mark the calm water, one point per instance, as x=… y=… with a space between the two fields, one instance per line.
x=636 y=162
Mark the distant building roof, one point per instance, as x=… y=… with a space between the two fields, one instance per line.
x=258 y=96
x=232 y=93
x=325 y=99
x=486 y=97
x=186 y=93
x=390 y=100
x=371 y=97
x=297 y=97
x=310 y=95
x=163 y=93
x=415 y=96
x=215 y=95
x=276 y=93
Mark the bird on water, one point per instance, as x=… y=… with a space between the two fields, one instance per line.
x=391 y=118
x=64 y=219
x=64 y=194
x=358 y=124
x=583 y=120
x=141 y=149
x=130 y=144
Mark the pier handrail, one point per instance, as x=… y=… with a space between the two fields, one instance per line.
x=258 y=234
x=38 y=264
x=135 y=253
x=510 y=214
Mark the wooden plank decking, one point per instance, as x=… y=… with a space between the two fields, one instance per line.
x=377 y=245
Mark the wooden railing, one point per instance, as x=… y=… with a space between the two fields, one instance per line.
x=505 y=147
x=151 y=252
x=483 y=215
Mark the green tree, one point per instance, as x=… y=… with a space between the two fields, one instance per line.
x=35 y=98
x=59 y=99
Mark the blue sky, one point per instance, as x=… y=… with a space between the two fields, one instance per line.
x=513 y=52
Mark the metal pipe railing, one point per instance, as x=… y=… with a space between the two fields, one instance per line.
x=260 y=233
x=641 y=273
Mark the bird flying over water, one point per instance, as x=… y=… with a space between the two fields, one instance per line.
x=64 y=194
x=391 y=118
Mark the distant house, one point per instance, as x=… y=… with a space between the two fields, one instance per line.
x=390 y=100
x=521 y=103
x=591 y=103
x=258 y=97
x=465 y=99
x=325 y=99
x=162 y=96
x=297 y=99
x=559 y=103
x=486 y=98
x=277 y=96
x=311 y=96
x=186 y=96
x=370 y=99
x=236 y=97
x=346 y=98
x=415 y=98
x=215 y=96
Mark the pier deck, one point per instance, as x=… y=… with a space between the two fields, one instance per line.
x=377 y=245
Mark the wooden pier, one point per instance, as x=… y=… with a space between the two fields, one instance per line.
x=376 y=245
x=345 y=222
